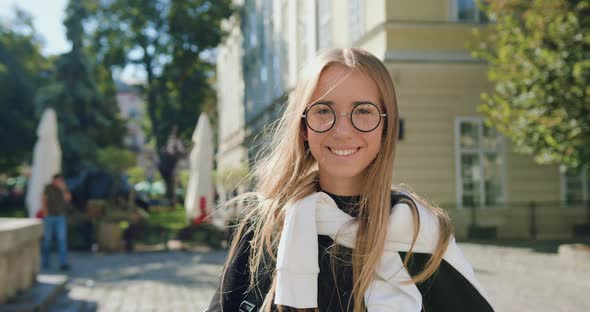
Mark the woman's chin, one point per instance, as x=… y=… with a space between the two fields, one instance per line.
x=340 y=174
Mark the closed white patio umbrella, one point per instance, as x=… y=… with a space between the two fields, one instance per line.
x=199 y=192
x=46 y=160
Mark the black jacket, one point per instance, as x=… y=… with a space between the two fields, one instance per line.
x=446 y=290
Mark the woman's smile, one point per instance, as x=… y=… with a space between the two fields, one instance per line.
x=343 y=152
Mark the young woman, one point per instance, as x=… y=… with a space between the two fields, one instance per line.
x=324 y=229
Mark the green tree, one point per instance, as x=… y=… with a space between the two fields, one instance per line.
x=88 y=120
x=116 y=161
x=539 y=60
x=22 y=71
x=169 y=39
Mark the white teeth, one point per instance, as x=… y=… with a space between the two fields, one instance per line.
x=344 y=152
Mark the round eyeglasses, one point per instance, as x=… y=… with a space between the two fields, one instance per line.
x=365 y=117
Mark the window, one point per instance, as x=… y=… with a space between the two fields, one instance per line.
x=469 y=11
x=324 y=25
x=133 y=113
x=576 y=186
x=303 y=27
x=356 y=20
x=252 y=29
x=263 y=73
x=276 y=71
x=480 y=164
x=284 y=46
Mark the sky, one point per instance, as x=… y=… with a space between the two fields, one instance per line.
x=48 y=19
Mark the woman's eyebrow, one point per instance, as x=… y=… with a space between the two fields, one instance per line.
x=330 y=103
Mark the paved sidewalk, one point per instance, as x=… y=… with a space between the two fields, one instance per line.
x=516 y=280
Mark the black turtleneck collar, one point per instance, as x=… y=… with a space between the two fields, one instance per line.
x=348 y=204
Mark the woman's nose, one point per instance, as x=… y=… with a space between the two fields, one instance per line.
x=343 y=125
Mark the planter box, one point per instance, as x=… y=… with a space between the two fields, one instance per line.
x=110 y=237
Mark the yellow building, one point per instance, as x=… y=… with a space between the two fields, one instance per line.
x=446 y=153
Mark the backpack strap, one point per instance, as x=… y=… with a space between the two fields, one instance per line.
x=247 y=306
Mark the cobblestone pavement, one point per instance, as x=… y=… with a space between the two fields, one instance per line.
x=516 y=279
x=150 y=281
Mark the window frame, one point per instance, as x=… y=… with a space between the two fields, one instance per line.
x=584 y=180
x=454 y=13
x=324 y=22
x=356 y=26
x=480 y=151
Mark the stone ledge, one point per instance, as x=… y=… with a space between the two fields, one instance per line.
x=16 y=231
x=19 y=255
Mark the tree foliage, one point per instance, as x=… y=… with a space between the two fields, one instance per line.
x=88 y=119
x=22 y=71
x=169 y=39
x=539 y=60
x=116 y=160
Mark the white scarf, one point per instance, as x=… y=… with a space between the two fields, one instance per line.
x=318 y=214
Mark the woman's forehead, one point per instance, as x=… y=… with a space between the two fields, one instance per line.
x=338 y=83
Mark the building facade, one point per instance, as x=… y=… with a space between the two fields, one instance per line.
x=232 y=154
x=447 y=154
x=131 y=102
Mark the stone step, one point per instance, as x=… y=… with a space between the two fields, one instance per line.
x=40 y=296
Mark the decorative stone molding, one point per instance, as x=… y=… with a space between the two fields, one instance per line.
x=19 y=255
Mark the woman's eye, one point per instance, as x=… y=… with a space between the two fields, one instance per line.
x=323 y=111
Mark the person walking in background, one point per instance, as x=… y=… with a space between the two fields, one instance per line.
x=54 y=205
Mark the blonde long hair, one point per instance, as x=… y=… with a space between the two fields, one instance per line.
x=288 y=172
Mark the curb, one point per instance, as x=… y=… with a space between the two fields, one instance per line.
x=40 y=296
x=575 y=254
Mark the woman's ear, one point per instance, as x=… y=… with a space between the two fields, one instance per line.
x=304 y=132
x=305 y=141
